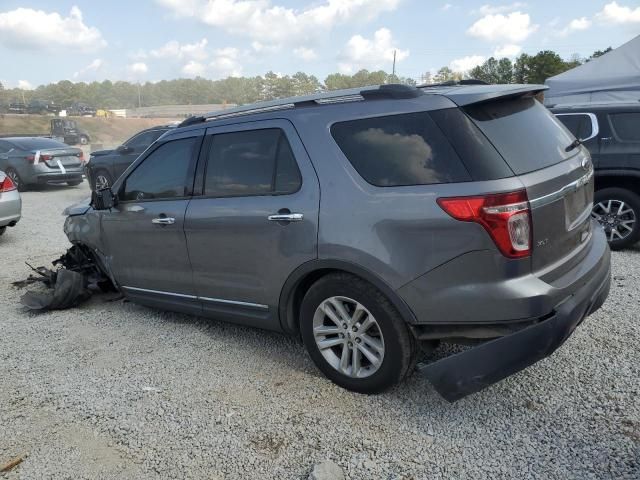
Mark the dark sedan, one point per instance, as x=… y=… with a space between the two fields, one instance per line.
x=105 y=166
x=37 y=161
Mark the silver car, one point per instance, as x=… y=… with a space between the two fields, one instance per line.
x=367 y=222
x=10 y=203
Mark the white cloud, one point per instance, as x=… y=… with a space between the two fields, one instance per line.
x=94 y=66
x=372 y=53
x=618 y=14
x=306 y=54
x=465 y=64
x=509 y=50
x=276 y=24
x=194 y=69
x=513 y=27
x=493 y=9
x=226 y=63
x=26 y=28
x=138 y=68
x=193 y=51
x=445 y=7
x=575 y=25
x=25 y=85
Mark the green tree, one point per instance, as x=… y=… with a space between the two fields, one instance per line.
x=445 y=74
x=599 y=53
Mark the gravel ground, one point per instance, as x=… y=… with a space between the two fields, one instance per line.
x=114 y=390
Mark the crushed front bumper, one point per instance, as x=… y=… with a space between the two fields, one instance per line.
x=459 y=375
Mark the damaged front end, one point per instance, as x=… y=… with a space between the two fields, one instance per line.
x=75 y=277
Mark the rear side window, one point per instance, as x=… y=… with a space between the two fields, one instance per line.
x=144 y=139
x=626 y=125
x=526 y=134
x=399 y=150
x=578 y=123
x=163 y=174
x=252 y=162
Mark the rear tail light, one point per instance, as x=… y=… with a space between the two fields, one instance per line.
x=43 y=158
x=7 y=185
x=505 y=216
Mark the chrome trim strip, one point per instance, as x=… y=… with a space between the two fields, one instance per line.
x=595 y=127
x=206 y=299
x=242 y=113
x=146 y=290
x=570 y=187
x=234 y=302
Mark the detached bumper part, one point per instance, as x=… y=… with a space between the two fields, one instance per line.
x=468 y=372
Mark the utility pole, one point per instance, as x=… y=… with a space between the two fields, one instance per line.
x=394 y=63
x=139 y=96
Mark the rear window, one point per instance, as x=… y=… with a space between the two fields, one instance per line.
x=578 y=123
x=399 y=150
x=626 y=125
x=37 y=143
x=525 y=133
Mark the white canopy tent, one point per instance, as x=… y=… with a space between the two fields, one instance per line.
x=613 y=77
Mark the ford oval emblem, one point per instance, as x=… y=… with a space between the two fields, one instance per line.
x=585 y=164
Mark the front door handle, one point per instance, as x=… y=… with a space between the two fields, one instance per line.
x=286 y=217
x=164 y=221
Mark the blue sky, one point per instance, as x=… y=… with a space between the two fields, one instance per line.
x=85 y=40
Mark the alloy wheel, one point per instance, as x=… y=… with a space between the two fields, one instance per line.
x=348 y=337
x=13 y=175
x=616 y=217
x=102 y=182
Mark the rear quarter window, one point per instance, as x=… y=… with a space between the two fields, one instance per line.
x=626 y=125
x=527 y=135
x=578 y=124
x=399 y=150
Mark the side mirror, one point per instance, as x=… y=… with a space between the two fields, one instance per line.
x=123 y=149
x=103 y=199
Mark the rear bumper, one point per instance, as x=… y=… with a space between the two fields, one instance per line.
x=10 y=208
x=55 y=178
x=459 y=375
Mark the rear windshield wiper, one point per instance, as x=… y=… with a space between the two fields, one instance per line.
x=576 y=143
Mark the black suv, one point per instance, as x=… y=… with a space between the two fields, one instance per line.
x=105 y=166
x=611 y=132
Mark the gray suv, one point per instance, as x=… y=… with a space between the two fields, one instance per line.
x=370 y=222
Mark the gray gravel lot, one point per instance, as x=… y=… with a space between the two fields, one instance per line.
x=114 y=390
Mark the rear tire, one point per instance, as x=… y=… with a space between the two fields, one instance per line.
x=11 y=173
x=84 y=140
x=75 y=183
x=373 y=352
x=618 y=211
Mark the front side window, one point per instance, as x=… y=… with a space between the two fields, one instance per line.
x=251 y=162
x=163 y=174
x=626 y=126
x=577 y=123
x=399 y=150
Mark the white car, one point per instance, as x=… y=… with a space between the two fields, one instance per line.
x=10 y=203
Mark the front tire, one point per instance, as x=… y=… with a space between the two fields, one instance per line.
x=74 y=183
x=618 y=211
x=355 y=335
x=84 y=140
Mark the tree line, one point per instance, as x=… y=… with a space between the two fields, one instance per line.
x=241 y=90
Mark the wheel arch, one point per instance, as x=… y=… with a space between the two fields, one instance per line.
x=618 y=179
x=307 y=274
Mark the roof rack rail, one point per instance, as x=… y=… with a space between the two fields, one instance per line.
x=392 y=90
x=453 y=83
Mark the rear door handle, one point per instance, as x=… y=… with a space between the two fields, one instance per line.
x=286 y=217
x=164 y=221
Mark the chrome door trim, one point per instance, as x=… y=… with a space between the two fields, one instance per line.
x=163 y=221
x=595 y=127
x=206 y=299
x=570 y=187
x=235 y=302
x=159 y=292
